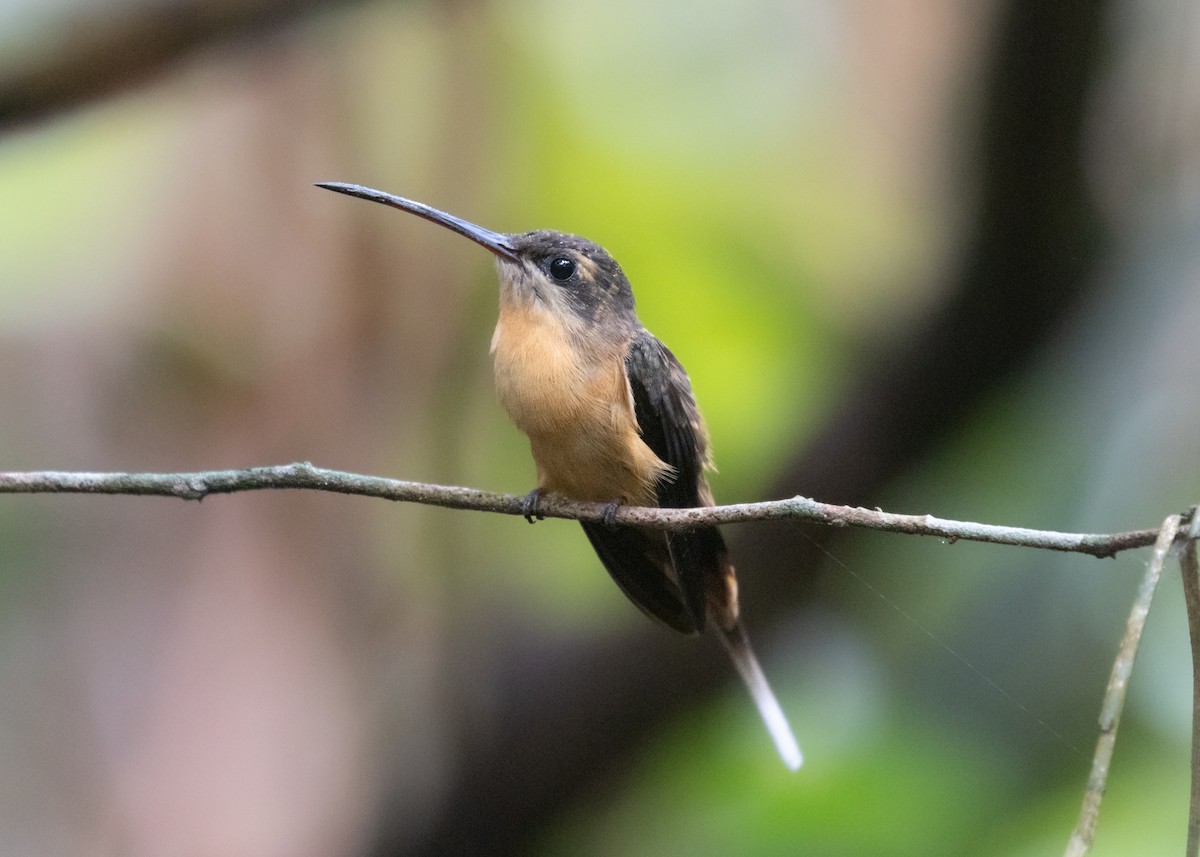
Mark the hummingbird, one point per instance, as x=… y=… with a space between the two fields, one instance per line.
x=611 y=418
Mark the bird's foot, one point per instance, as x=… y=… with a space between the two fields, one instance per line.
x=610 y=513
x=529 y=506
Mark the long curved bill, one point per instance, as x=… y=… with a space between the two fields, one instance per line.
x=497 y=242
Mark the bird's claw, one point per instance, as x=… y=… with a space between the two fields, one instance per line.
x=529 y=506
x=610 y=513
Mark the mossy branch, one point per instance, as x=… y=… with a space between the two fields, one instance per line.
x=1183 y=529
x=302 y=475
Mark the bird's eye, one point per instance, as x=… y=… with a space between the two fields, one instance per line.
x=561 y=268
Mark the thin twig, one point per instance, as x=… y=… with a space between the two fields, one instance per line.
x=1114 y=697
x=89 y=51
x=197 y=486
x=1190 y=569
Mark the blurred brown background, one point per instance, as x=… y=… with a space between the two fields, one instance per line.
x=928 y=256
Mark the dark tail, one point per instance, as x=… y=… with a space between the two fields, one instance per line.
x=638 y=561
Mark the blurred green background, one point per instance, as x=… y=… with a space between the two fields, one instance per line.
x=927 y=256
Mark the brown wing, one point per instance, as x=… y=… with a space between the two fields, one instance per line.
x=638 y=560
x=671 y=426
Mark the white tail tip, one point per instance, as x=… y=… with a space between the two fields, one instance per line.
x=747 y=666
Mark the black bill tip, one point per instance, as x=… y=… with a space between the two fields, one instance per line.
x=497 y=242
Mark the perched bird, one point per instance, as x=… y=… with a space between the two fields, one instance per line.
x=611 y=418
